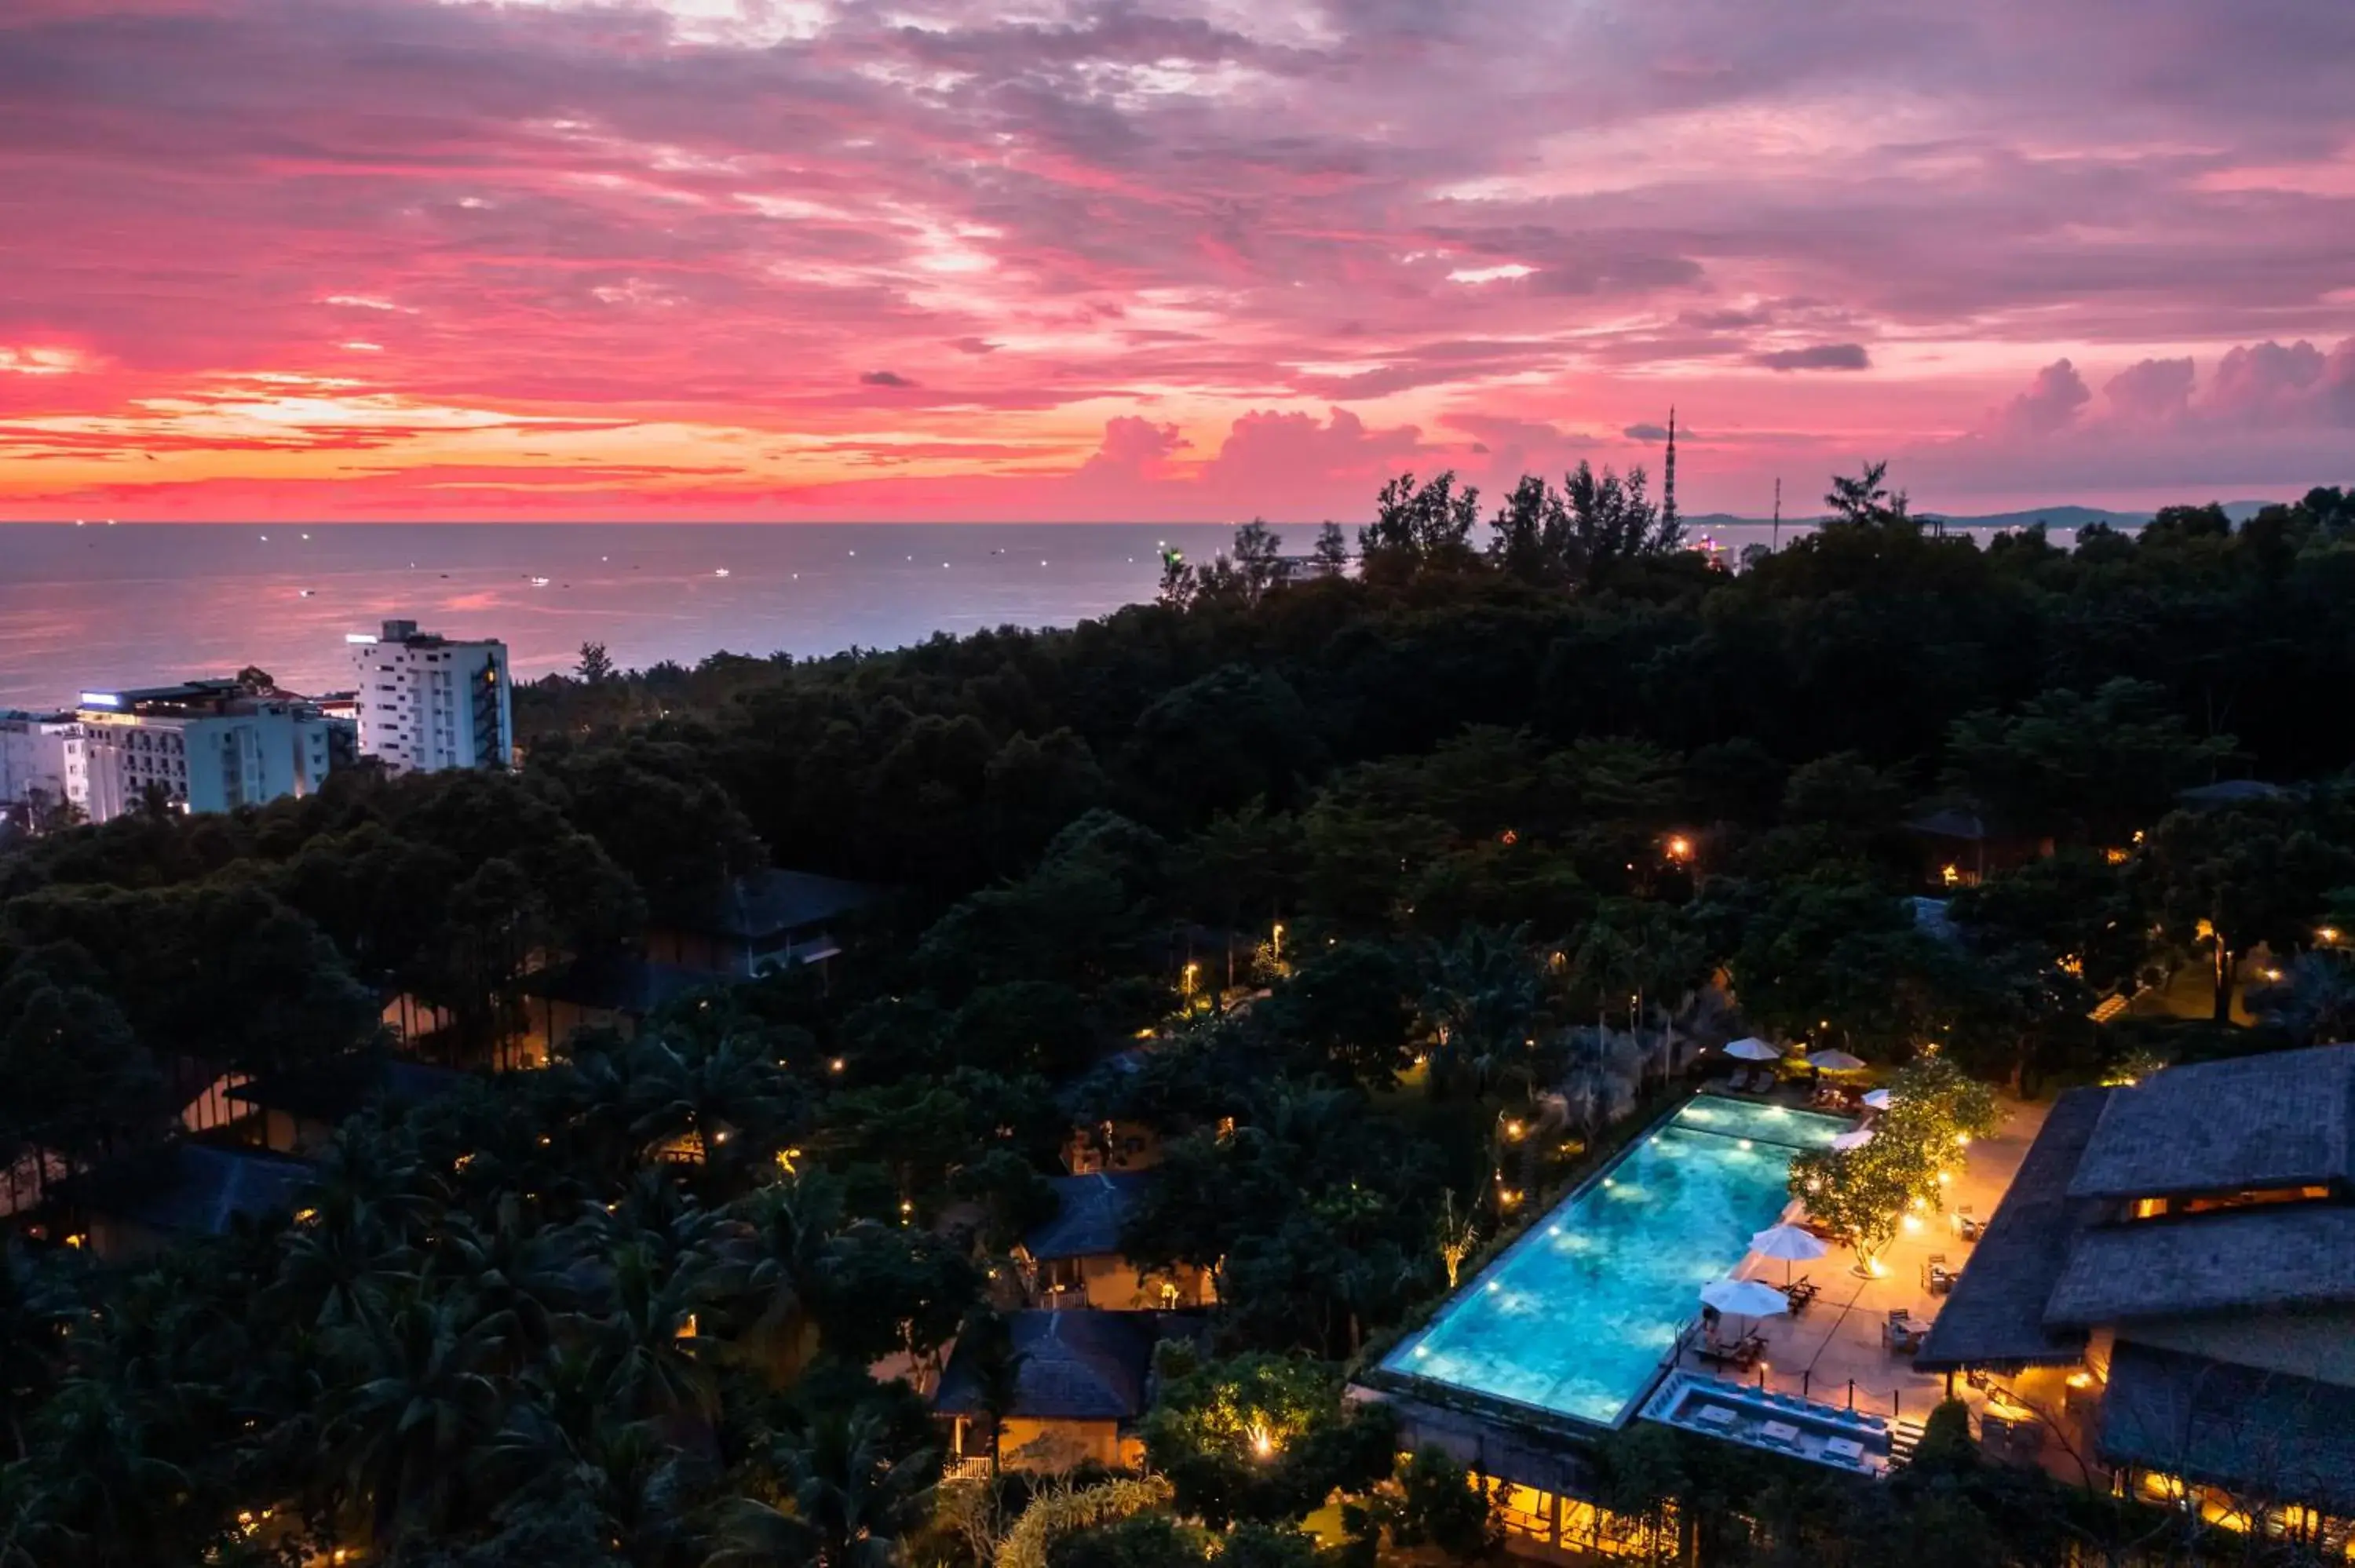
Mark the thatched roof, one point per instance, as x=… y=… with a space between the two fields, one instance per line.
x=2267 y=1435
x=1995 y=1315
x=334 y=1090
x=2250 y=1259
x=1078 y=1365
x=2277 y=1120
x=191 y=1188
x=1090 y=1212
x=767 y=904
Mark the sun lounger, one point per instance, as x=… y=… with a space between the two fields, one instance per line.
x=1781 y=1433
x=1845 y=1448
x=1714 y=1415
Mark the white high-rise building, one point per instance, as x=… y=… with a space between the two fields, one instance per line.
x=41 y=755
x=206 y=746
x=426 y=703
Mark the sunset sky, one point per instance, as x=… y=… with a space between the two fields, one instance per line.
x=1177 y=260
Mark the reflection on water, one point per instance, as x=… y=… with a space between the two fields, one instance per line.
x=97 y=606
x=1576 y=1316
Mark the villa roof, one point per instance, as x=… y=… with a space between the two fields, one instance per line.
x=766 y=902
x=192 y=1188
x=2288 y=1438
x=2250 y=1259
x=1089 y=1214
x=632 y=986
x=2230 y=792
x=1078 y=1365
x=1995 y=1316
x=2279 y=1119
x=1954 y=823
x=334 y=1090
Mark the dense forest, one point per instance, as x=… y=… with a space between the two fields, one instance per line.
x=1313 y=872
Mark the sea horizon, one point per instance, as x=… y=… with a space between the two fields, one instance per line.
x=107 y=606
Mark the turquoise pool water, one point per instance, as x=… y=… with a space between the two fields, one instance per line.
x=1574 y=1317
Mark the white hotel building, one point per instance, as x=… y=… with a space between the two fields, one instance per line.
x=426 y=703
x=206 y=745
x=42 y=755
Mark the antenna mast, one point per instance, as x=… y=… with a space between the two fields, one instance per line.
x=1668 y=492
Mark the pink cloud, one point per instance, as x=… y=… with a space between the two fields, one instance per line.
x=773 y=260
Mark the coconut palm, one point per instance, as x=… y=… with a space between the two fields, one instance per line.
x=1483 y=997
x=846 y=1498
x=727 y=1100
x=423 y=1405
x=35 y=1310
x=111 y=1493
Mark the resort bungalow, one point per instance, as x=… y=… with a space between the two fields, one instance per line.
x=2169 y=1288
x=1083 y=1380
x=767 y=920
x=297 y=1112
x=1961 y=848
x=612 y=993
x=1074 y=1260
x=136 y=1207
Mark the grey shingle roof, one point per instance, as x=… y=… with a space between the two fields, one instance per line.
x=624 y=985
x=769 y=903
x=2256 y=1259
x=332 y=1091
x=1995 y=1316
x=193 y=1189
x=1090 y=1212
x=1078 y=1365
x=2279 y=1119
x=2267 y=1434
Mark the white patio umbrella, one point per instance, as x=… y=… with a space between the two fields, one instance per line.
x=1878 y=1100
x=1791 y=1243
x=1745 y=1298
x=1835 y=1062
x=1749 y=1048
x=1856 y=1139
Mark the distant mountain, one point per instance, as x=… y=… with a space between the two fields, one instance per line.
x=2055 y=517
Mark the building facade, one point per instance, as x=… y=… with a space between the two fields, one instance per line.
x=425 y=703
x=206 y=745
x=41 y=760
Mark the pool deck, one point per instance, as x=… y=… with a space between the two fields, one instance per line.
x=1834 y=1352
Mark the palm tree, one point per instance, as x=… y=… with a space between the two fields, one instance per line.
x=1483 y=997
x=794 y=1226
x=725 y=1100
x=517 y=1277
x=109 y=1490
x=846 y=1498
x=35 y=1311
x=423 y=1405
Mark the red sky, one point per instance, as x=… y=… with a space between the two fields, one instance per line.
x=1163 y=260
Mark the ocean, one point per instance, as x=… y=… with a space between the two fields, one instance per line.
x=99 y=608
x=103 y=608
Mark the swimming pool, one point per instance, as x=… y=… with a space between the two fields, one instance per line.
x=1576 y=1317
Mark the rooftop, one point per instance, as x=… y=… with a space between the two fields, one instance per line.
x=2259 y=1259
x=624 y=985
x=334 y=1090
x=2281 y=1119
x=192 y=1188
x=766 y=902
x=1090 y=1212
x=1995 y=1315
x=2238 y=1427
x=1070 y=1366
